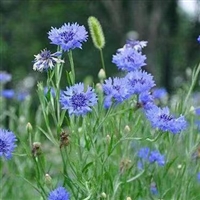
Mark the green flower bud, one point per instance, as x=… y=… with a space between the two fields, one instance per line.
x=96 y=32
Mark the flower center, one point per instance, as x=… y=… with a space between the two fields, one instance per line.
x=45 y=55
x=67 y=36
x=2 y=146
x=166 y=117
x=135 y=81
x=78 y=100
x=116 y=87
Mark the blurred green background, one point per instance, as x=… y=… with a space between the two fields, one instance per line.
x=171 y=34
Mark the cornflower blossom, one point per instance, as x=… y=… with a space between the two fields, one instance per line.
x=146 y=155
x=45 y=60
x=115 y=91
x=59 y=193
x=153 y=189
x=128 y=59
x=197 y=111
x=77 y=101
x=5 y=77
x=156 y=156
x=159 y=93
x=135 y=44
x=7 y=93
x=162 y=119
x=145 y=100
x=198 y=39
x=7 y=143
x=198 y=177
x=69 y=36
x=139 y=81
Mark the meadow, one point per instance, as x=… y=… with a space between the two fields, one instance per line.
x=122 y=138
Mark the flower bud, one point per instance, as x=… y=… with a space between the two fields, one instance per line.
x=127 y=129
x=36 y=149
x=101 y=74
x=48 y=180
x=103 y=195
x=128 y=198
x=29 y=127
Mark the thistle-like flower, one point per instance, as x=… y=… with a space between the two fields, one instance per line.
x=69 y=36
x=59 y=193
x=77 y=101
x=7 y=143
x=128 y=59
x=5 y=77
x=115 y=91
x=139 y=82
x=162 y=119
x=45 y=60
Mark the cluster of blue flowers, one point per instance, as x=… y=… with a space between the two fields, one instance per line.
x=59 y=193
x=146 y=155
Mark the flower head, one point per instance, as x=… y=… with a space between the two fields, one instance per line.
x=77 y=101
x=135 y=44
x=159 y=93
x=115 y=90
x=45 y=60
x=129 y=59
x=198 y=177
x=7 y=93
x=145 y=100
x=59 y=193
x=5 y=77
x=156 y=156
x=69 y=36
x=7 y=143
x=162 y=119
x=198 y=39
x=139 y=81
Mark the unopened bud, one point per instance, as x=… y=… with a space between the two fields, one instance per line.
x=108 y=138
x=48 y=180
x=128 y=198
x=103 y=195
x=101 y=74
x=36 y=150
x=29 y=127
x=127 y=129
x=99 y=87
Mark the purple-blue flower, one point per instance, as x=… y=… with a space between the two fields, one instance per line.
x=153 y=189
x=77 y=100
x=197 y=111
x=144 y=153
x=162 y=119
x=5 y=77
x=51 y=90
x=198 y=177
x=69 y=36
x=159 y=93
x=198 y=39
x=7 y=93
x=156 y=156
x=115 y=91
x=21 y=96
x=139 y=81
x=146 y=100
x=135 y=44
x=45 y=60
x=128 y=59
x=7 y=143
x=59 y=193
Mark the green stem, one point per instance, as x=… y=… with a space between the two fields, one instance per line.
x=72 y=67
x=102 y=60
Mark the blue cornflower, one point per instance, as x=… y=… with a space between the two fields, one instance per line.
x=77 y=101
x=115 y=91
x=198 y=39
x=5 y=77
x=145 y=100
x=159 y=93
x=153 y=189
x=69 y=36
x=45 y=60
x=139 y=81
x=135 y=44
x=144 y=153
x=161 y=118
x=129 y=59
x=59 y=193
x=198 y=177
x=7 y=93
x=156 y=156
x=51 y=90
x=197 y=111
x=7 y=143
x=21 y=96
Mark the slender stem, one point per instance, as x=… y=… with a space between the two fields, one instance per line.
x=72 y=67
x=102 y=60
